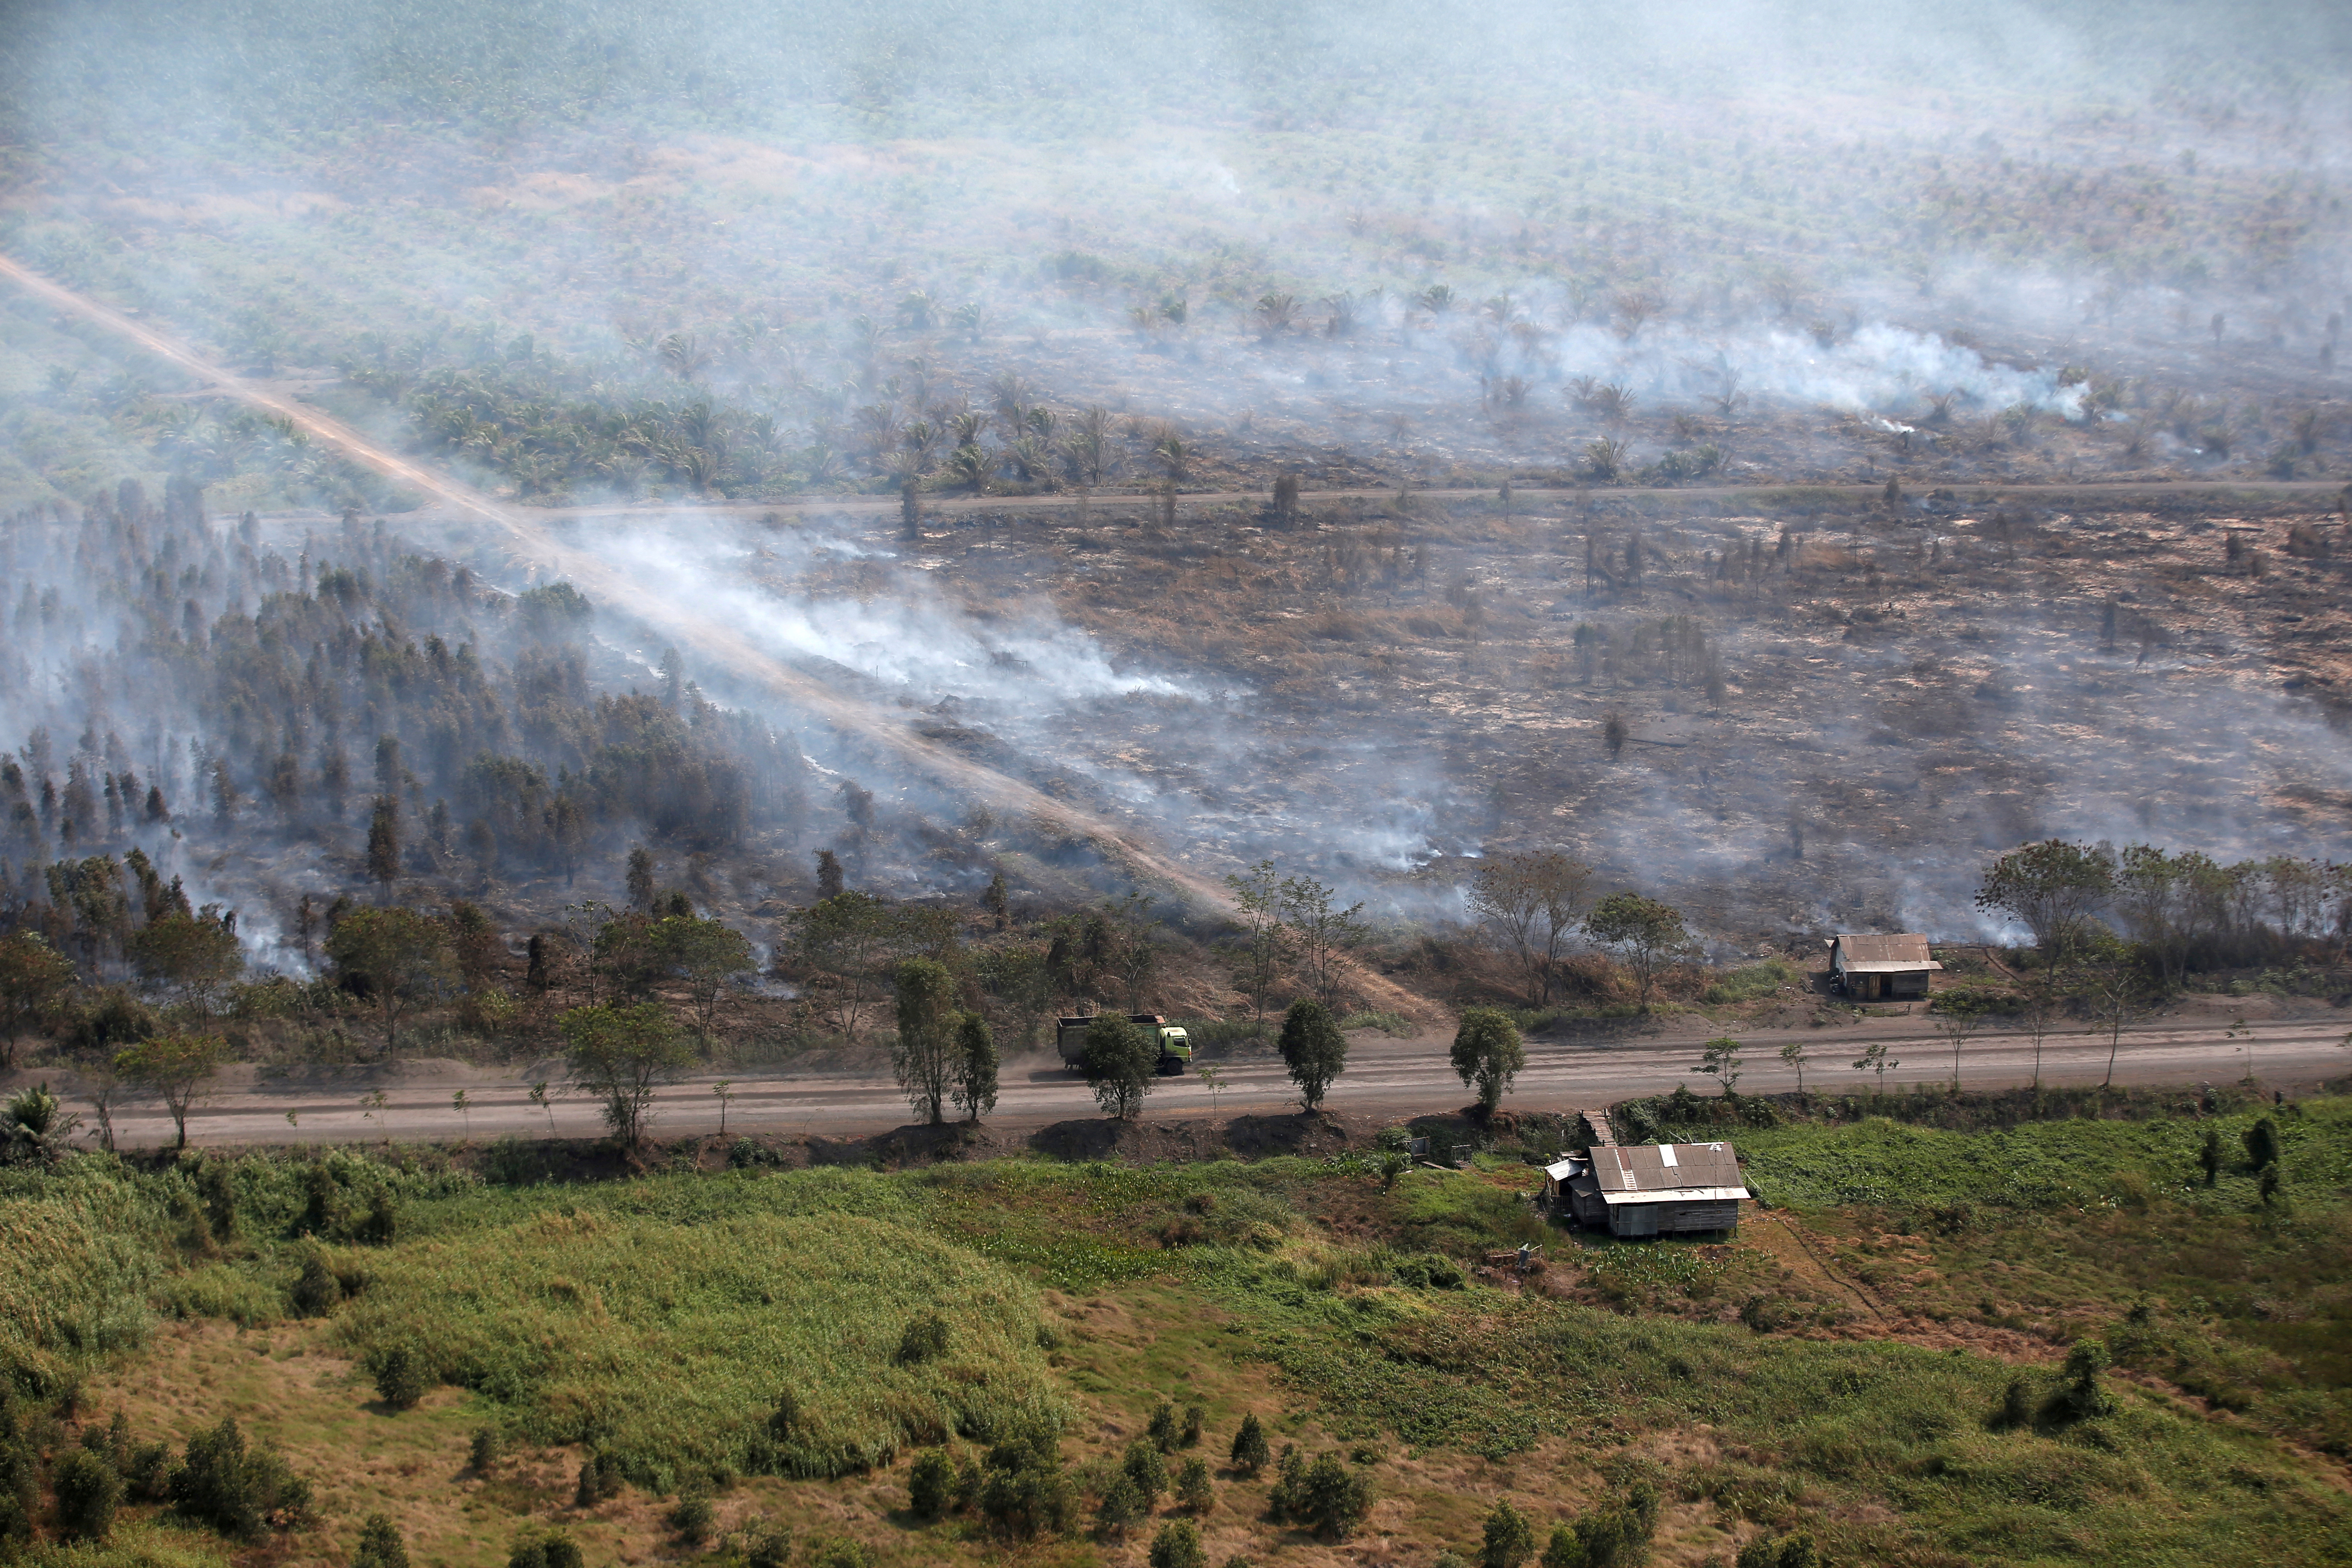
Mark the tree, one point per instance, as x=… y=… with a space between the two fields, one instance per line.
x=1793 y=1054
x=2050 y=889
x=1958 y=1015
x=2208 y=1155
x=1257 y=909
x=2037 y=1013
x=394 y=957
x=1645 y=933
x=841 y=942
x=621 y=1055
x=1315 y=1050
x=89 y=1489
x=1873 y=1058
x=975 y=1067
x=380 y=1545
x=1510 y=1540
x=1121 y=1061
x=1322 y=934
x=640 y=878
x=34 y=981
x=1132 y=956
x=1721 y=1059
x=923 y=1057
x=2119 y=996
x=828 y=875
x=176 y=1067
x=384 y=843
x=1529 y=904
x=705 y=957
x=1249 y=1453
x=1615 y=733
x=1178 y=1545
x=192 y=956
x=1488 y=1053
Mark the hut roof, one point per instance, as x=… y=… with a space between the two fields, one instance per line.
x=1668 y=1173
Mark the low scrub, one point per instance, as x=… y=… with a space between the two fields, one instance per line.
x=766 y=1342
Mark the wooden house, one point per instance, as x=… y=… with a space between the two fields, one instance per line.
x=1881 y=968
x=1648 y=1189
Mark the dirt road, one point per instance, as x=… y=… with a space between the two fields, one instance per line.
x=1385 y=1077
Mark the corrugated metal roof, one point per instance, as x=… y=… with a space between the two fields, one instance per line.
x=1891 y=968
x=1562 y=1170
x=1678 y=1196
x=1909 y=948
x=1665 y=1168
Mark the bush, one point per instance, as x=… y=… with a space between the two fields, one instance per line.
x=1178 y=1545
x=484 y=1453
x=926 y=1339
x=691 y=1516
x=238 y=1491
x=1327 y=1496
x=930 y=1484
x=1193 y=1493
x=841 y=1552
x=1196 y=1417
x=1249 y=1452
x=1121 y=1506
x=1146 y=1470
x=316 y=1289
x=599 y=1480
x=1510 y=1540
x=399 y=1376
x=1564 y=1550
x=1796 y=1551
x=379 y=1545
x=1162 y=1427
x=549 y=1549
x=1024 y=1492
x=87 y=1491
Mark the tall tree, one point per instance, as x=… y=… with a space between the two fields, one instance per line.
x=176 y=1067
x=189 y=957
x=622 y=1056
x=1315 y=1050
x=2051 y=888
x=34 y=981
x=838 y=944
x=1322 y=934
x=1257 y=909
x=705 y=957
x=398 y=957
x=384 y=843
x=641 y=878
x=1529 y=904
x=923 y=1057
x=1488 y=1053
x=975 y=1067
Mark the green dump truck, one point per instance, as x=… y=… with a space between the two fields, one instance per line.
x=1175 y=1045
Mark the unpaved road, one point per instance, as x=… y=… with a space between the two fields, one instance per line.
x=1385 y=1077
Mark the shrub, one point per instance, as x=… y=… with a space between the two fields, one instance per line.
x=149 y=1473
x=761 y=1543
x=485 y=1451
x=841 y=1552
x=238 y=1491
x=930 y=1484
x=1023 y=1491
x=2084 y=1394
x=1178 y=1545
x=1146 y=1470
x=926 y=1339
x=316 y=1289
x=88 y=1492
x=1195 y=1415
x=690 y=1517
x=548 y=1549
x=1162 y=1427
x=599 y=1480
x=1335 y=1498
x=379 y=1545
x=399 y=1376
x=1510 y=1540
x=1249 y=1452
x=1192 y=1490
x=1564 y=1550
x=1796 y=1551
x=1121 y=1506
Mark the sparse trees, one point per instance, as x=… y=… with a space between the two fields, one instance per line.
x=1645 y=933
x=1792 y=1054
x=840 y=941
x=1959 y=1016
x=1488 y=1053
x=1265 y=944
x=704 y=956
x=2051 y=888
x=1529 y=904
x=1121 y=1061
x=1320 y=934
x=176 y=1068
x=621 y=1055
x=398 y=958
x=1315 y=1050
x=923 y=1057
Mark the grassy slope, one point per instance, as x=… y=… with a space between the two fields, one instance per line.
x=1277 y=1288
